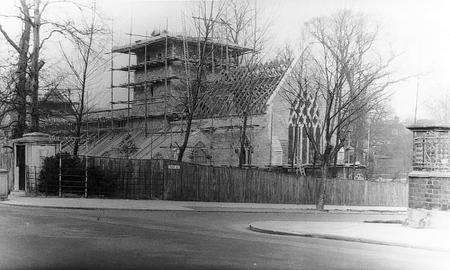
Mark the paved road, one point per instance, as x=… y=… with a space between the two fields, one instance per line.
x=38 y=238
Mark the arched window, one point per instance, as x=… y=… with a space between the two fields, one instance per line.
x=294 y=144
x=311 y=146
x=318 y=136
x=248 y=150
x=199 y=154
x=304 y=145
x=291 y=149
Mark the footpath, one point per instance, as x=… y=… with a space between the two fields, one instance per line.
x=159 y=205
x=391 y=234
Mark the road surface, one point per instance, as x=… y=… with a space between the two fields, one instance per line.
x=44 y=238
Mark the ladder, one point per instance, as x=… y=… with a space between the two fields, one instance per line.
x=185 y=53
x=301 y=170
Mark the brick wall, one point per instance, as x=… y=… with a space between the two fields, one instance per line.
x=432 y=192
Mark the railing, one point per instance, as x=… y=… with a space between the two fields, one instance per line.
x=70 y=183
x=431 y=152
x=98 y=177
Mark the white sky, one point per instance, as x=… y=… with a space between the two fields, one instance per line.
x=419 y=31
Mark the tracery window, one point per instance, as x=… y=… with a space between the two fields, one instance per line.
x=304 y=121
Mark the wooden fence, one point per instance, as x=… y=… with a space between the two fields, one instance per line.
x=172 y=180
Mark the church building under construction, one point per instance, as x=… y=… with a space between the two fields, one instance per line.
x=150 y=123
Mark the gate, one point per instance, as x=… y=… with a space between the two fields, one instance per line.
x=70 y=184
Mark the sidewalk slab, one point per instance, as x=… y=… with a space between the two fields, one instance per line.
x=107 y=204
x=371 y=233
x=269 y=206
x=155 y=205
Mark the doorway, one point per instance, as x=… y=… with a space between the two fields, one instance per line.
x=20 y=161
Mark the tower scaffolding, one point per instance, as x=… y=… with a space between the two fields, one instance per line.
x=112 y=78
x=129 y=75
x=145 y=84
x=145 y=91
x=212 y=49
x=166 y=123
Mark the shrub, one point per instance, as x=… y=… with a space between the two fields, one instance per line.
x=71 y=173
x=72 y=176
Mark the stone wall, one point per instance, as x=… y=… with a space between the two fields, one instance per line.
x=221 y=136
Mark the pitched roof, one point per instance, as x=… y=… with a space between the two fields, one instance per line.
x=241 y=90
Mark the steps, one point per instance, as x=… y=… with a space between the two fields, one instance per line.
x=17 y=193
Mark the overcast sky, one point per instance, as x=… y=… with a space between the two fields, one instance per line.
x=419 y=31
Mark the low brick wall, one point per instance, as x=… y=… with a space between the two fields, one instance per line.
x=429 y=190
x=428 y=199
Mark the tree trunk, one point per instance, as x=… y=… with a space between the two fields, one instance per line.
x=81 y=110
x=76 y=143
x=321 y=195
x=242 y=157
x=21 y=85
x=183 y=147
x=35 y=67
x=321 y=192
x=20 y=98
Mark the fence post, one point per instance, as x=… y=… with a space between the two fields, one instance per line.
x=85 y=176
x=163 y=166
x=36 y=190
x=181 y=180
x=59 y=172
x=366 y=199
x=46 y=186
x=197 y=197
x=218 y=185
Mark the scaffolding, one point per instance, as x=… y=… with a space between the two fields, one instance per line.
x=137 y=113
x=134 y=103
x=151 y=80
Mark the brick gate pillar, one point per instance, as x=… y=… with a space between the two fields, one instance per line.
x=429 y=181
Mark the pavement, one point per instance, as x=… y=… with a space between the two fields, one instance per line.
x=159 y=205
x=390 y=234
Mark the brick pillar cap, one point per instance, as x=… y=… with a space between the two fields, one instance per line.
x=429 y=174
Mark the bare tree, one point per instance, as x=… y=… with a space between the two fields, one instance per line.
x=341 y=74
x=84 y=64
x=36 y=62
x=29 y=64
x=439 y=108
x=17 y=104
x=193 y=86
x=244 y=26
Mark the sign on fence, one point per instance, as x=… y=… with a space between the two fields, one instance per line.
x=173 y=167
